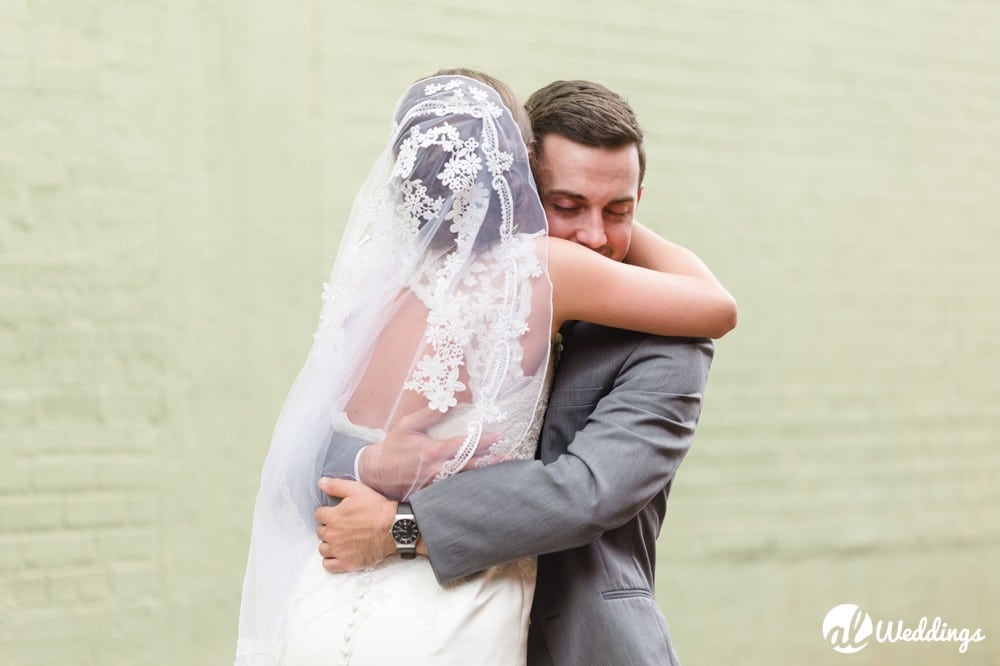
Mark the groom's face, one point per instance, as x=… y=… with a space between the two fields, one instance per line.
x=589 y=194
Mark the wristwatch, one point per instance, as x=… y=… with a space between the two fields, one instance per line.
x=405 y=531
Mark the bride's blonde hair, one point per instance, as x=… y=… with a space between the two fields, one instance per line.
x=507 y=96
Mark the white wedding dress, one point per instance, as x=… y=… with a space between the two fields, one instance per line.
x=397 y=612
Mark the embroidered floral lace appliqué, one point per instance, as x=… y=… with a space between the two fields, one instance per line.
x=474 y=323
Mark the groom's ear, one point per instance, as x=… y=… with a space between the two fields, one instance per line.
x=638 y=195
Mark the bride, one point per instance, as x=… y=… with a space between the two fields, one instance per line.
x=446 y=295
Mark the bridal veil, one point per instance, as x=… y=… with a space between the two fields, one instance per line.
x=439 y=298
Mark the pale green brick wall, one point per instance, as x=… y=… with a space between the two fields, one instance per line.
x=173 y=176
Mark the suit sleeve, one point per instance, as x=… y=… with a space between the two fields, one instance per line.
x=627 y=452
x=341 y=452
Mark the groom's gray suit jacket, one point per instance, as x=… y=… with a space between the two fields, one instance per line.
x=621 y=417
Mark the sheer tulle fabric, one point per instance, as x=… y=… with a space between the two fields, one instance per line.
x=439 y=298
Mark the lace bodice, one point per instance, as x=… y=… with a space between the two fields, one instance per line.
x=503 y=393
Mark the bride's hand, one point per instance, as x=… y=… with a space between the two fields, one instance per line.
x=409 y=459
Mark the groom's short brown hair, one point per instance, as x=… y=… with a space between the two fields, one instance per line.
x=587 y=113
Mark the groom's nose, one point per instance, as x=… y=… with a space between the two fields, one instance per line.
x=591 y=233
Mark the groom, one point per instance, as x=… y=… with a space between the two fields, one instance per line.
x=621 y=417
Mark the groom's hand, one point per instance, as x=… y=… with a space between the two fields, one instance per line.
x=354 y=534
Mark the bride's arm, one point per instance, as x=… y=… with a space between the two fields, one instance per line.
x=650 y=250
x=590 y=287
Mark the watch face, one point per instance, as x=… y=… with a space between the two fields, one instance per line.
x=405 y=532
